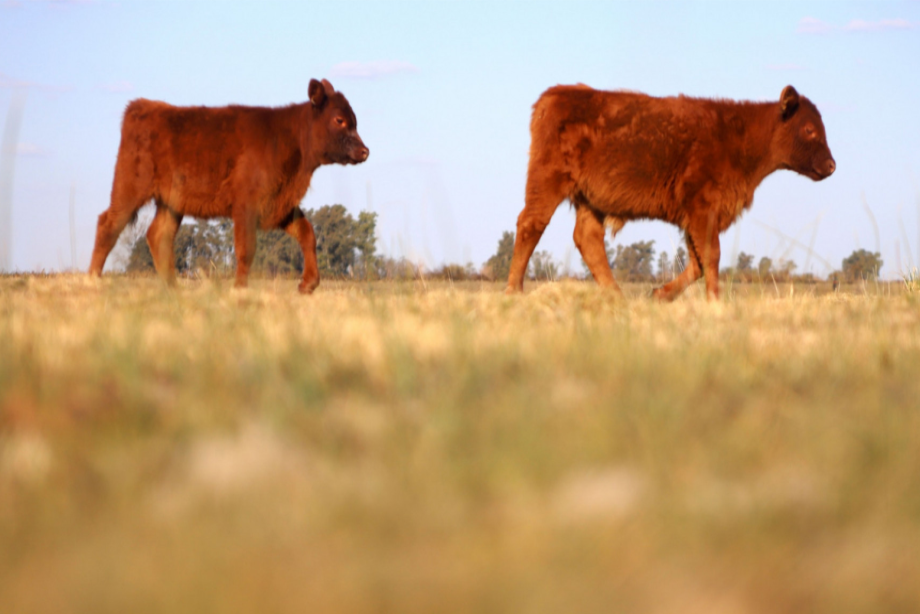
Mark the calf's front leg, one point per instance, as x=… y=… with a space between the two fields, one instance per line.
x=244 y=243
x=704 y=252
x=706 y=237
x=675 y=287
x=302 y=230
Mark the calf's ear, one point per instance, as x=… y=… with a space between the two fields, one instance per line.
x=317 y=92
x=788 y=101
x=328 y=87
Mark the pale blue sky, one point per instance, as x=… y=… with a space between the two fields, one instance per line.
x=442 y=92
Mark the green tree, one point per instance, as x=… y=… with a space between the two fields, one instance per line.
x=398 y=269
x=745 y=263
x=453 y=271
x=544 y=267
x=862 y=264
x=277 y=253
x=339 y=236
x=208 y=245
x=366 y=244
x=665 y=267
x=742 y=269
x=680 y=260
x=205 y=245
x=634 y=262
x=200 y=245
x=140 y=260
x=188 y=247
x=499 y=265
x=764 y=267
x=783 y=270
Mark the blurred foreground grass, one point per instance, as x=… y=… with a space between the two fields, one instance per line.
x=407 y=448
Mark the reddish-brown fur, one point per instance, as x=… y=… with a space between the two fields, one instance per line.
x=251 y=164
x=693 y=162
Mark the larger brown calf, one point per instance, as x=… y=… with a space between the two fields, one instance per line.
x=251 y=164
x=693 y=162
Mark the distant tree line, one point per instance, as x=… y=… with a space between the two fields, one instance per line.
x=346 y=247
x=637 y=263
x=766 y=269
x=861 y=265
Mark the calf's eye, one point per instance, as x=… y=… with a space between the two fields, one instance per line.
x=339 y=121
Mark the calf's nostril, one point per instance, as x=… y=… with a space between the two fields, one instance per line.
x=831 y=166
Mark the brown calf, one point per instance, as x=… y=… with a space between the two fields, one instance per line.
x=693 y=162
x=251 y=164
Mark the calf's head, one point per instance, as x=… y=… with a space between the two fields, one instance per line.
x=802 y=142
x=335 y=128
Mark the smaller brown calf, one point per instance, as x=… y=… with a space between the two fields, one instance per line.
x=693 y=162
x=251 y=164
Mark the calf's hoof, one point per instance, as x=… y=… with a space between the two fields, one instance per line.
x=611 y=289
x=662 y=296
x=307 y=287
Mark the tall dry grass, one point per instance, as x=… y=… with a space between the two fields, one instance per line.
x=444 y=448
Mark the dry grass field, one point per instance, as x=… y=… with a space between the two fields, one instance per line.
x=416 y=448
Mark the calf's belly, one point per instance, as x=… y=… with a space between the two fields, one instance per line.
x=618 y=198
x=194 y=196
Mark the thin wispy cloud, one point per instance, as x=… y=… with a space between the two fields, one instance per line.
x=371 y=70
x=15 y=4
x=811 y=25
x=860 y=25
x=785 y=67
x=8 y=82
x=118 y=87
x=31 y=150
x=65 y=2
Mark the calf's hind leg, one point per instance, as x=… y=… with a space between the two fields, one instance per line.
x=160 y=237
x=131 y=190
x=111 y=222
x=542 y=198
x=589 y=239
x=301 y=229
